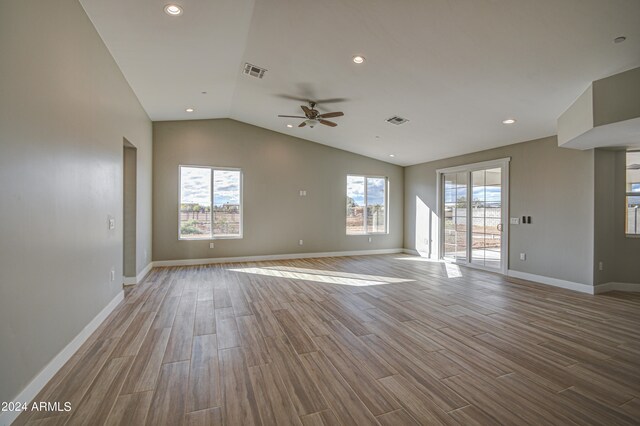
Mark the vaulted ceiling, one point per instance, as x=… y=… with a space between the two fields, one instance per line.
x=454 y=68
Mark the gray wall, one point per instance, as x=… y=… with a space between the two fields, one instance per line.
x=604 y=249
x=275 y=168
x=618 y=252
x=64 y=110
x=551 y=184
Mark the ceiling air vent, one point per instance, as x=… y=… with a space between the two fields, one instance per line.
x=253 y=70
x=396 y=120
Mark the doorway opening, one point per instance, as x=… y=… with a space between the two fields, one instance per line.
x=129 y=180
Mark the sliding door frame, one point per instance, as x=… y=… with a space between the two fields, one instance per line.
x=502 y=163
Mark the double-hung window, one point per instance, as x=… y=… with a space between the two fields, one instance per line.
x=210 y=203
x=632 y=199
x=367 y=205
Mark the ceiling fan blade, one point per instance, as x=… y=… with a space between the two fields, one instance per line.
x=331 y=114
x=292 y=116
x=328 y=123
x=331 y=100
x=304 y=123
x=292 y=98
x=306 y=110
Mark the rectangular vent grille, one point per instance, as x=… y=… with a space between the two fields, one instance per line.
x=396 y=120
x=253 y=70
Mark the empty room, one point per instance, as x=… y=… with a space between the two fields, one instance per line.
x=276 y=212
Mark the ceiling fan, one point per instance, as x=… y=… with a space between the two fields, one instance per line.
x=313 y=117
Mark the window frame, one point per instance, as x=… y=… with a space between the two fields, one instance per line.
x=628 y=194
x=211 y=237
x=364 y=218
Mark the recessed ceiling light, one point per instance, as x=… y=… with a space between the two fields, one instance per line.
x=173 y=10
x=189 y=109
x=509 y=121
x=358 y=59
x=289 y=125
x=392 y=155
x=619 y=39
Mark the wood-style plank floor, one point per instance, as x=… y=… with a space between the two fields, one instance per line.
x=388 y=340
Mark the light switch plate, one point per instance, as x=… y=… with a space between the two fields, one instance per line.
x=515 y=221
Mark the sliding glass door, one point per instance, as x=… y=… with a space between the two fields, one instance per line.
x=473 y=208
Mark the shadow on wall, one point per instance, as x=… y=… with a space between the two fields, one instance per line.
x=427 y=230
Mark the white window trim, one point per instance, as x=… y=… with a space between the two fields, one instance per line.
x=386 y=204
x=211 y=236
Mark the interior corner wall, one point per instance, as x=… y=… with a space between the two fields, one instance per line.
x=64 y=110
x=555 y=186
x=604 y=219
x=275 y=168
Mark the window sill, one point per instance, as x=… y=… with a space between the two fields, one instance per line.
x=632 y=235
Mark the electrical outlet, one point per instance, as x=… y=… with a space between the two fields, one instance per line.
x=370 y=239
x=113 y=274
x=426 y=241
x=211 y=245
x=300 y=242
x=145 y=255
x=601 y=266
x=112 y=222
x=523 y=256
x=303 y=192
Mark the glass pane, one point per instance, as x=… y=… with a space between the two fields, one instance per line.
x=455 y=216
x=633 y=171
x=376 y=208
x=487 y=217
x=195 y=203
x=226 y=203
x=633 y=215
x=355 y=205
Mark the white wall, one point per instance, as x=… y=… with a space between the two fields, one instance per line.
x=64 y=110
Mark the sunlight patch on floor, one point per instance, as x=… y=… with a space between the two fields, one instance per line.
x=453 y=270
x=419 y=259
x=321 y=276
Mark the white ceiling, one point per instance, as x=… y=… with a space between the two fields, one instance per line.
x=454 y=68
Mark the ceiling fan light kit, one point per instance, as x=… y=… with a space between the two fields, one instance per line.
x=312 y=116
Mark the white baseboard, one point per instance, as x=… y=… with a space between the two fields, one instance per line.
x=570 y=285
x=614 y=286
x=135 y=280
x=42 y=378
x=191 y=262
